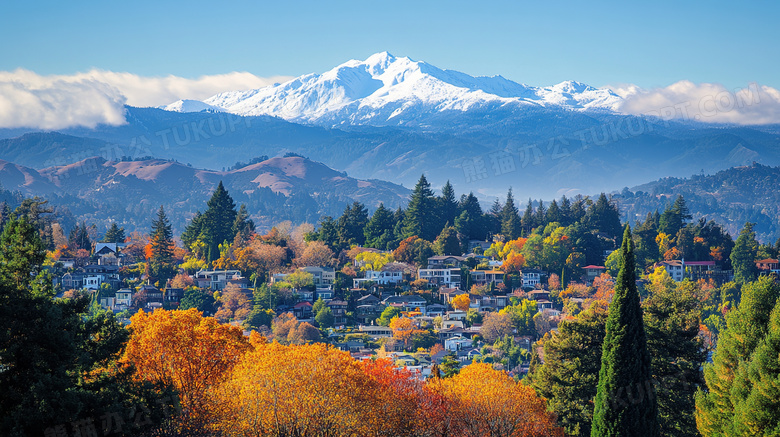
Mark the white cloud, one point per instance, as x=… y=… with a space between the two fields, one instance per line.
x=88 y=99
x=705 y=102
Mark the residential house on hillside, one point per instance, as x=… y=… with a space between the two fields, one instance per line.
x=592 y=272
x=302 y=310
x=390 y=274
x=323 y=276
x=216 y=280
x=444 y=261
x=531 y=278
x=674 y=268
x=768 y=266
x=108 y=254
x=339 y=309
x=484 y=277
x=406 y=302
x=447 y=277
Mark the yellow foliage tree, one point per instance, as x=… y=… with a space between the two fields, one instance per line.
x=486 y=402
x=461 y=302
x=184 y=350
x=310 y=390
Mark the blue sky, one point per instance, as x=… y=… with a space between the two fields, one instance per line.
x=650 y=44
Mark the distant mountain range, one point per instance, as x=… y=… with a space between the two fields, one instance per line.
x=730 y=197
x=385 y=90
x=392 y=118
x=277 y=189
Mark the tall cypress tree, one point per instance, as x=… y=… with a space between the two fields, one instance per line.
x=625 y=401
x=161 y=266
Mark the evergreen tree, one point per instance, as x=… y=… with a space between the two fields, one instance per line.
x=672 y=316
x=578 y=209
x=757 y=401
x=47 y=347
x=420 y=214
x=569 y=376
x=493 y=218
x=476 y=230
x=603 y=216
x=746 y=327
x=743 y=256
x=541 y=214
x=79 y=238
x=625 y=400
x=529 y=220
x=193 y=230
x=447 y=243
x=378 y=232
x=511 y=227
x=351 y=226
x=243 y=226
x=328 y=232
x=115 y=234
x=217 y=222
x=554 y=213
x=566 y=214
x=447 y=205
x=161 y=263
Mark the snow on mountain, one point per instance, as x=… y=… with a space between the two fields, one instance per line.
x=386 y=90
x=187 y=105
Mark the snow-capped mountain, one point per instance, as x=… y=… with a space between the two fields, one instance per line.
x=389 y=90
x=187 y=105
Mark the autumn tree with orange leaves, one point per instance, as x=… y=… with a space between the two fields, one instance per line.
x=184 y=350
x=486 y=402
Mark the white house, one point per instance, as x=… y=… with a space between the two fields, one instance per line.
x=448 y=277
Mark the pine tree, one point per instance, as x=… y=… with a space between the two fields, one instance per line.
x=470 y=204
x=604 y=217
x=757 y=401
x=554 y=213
x=161 y=263
x=420 y=219
x=743 y=256
x=746 y=327
x=217 y=222
x=529 y=220
x=193 y=230
x=351 y=225
x=541 y=214
x=625 y=400
x=511 y=227
x=566 y=211
x=569 y=376
x=378 y=232
x=243 y=226
x=79 y=238
x=447 y=205
x=115 y=234
x=493 y=217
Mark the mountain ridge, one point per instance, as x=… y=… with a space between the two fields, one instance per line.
x=394 y=91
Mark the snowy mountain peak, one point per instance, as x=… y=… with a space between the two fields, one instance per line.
x=387 y=90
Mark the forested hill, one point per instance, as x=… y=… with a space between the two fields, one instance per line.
x=730 y=197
